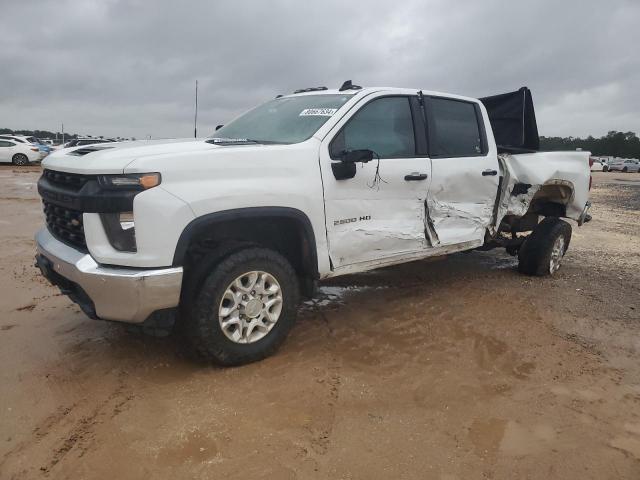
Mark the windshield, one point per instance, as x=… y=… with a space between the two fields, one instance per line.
x=283 y=120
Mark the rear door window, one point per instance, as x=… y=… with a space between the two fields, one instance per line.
x=455 y=128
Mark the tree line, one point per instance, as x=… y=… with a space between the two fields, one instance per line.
x=614 y=144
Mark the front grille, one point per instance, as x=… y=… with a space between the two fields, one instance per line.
x=71 y=181
x=65 y=224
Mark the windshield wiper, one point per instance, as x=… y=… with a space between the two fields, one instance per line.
x=241 y=141
x=230 y=140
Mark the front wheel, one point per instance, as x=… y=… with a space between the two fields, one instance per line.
x=20 y=159
x=625 y=170
x=542 y=252
x=605 y=169
x=244 y=308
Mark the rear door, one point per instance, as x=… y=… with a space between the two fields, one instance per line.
x=379 y=213
x=465 y=171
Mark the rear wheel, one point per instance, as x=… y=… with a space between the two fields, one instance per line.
x=625 y=170
x=605 y=169
x=20 y=159
x=244 y=308
x=542 y=252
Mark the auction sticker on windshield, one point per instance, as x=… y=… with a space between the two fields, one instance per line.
x=318 y=112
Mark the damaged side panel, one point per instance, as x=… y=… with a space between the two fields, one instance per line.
x=555 y=177
x=361 y=231
x=368 y=220
x=462 y=198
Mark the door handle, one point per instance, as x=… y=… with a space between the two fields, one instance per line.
x=415 y=176
x=489 y=173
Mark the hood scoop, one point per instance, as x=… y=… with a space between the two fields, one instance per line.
x=85 y=150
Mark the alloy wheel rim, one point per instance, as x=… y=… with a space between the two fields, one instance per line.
x=557 y=252
x=250 y=307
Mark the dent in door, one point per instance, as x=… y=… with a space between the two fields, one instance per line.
x=462 y=220
x=391 y=236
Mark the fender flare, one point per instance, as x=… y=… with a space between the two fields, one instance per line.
x=210 y=220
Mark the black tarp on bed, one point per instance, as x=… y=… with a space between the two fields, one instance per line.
x=513 y=121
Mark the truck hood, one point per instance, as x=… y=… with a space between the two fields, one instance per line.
x=114 y=157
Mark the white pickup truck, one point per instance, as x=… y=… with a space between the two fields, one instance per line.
x=225 y=233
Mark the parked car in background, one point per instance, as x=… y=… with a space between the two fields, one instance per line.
x=605 y=160
x=19 y=153
x=44 y=148
x=597 y=165
x=19 y=138
x=79 y=142
x=624 y=165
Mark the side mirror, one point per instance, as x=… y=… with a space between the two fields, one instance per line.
x=355 y=156
x=218 y=127
x=343 y=170
x=346 y=167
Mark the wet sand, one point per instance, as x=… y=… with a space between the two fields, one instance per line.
x=459 y=368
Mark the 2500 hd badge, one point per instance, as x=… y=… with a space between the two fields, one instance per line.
x=351 y=220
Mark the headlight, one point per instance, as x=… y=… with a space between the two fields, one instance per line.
x=136 y=181
x=120 y=230
x=119 y=226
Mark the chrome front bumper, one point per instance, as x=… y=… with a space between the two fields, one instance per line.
x=109 y=293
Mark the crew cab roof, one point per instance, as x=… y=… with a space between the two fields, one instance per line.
x=391 y=90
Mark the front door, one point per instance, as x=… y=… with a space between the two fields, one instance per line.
x=380 y=212
x=465 y=171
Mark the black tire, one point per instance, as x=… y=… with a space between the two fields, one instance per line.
x=605 y=169
x=20 y=159
x=534 y=257
x=200 y=323
x=625 y=170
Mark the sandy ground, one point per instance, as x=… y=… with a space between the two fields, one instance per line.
x=454 y=369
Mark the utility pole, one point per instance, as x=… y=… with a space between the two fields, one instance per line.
x=195 y=120
x=62 y=133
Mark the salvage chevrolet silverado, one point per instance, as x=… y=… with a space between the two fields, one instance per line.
x=226 y=233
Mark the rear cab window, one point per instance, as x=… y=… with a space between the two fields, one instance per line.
x=455 y=128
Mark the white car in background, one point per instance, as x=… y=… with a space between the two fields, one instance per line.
x=19 y=138
x=597 y=165
x=624 y=165
x=13 y=151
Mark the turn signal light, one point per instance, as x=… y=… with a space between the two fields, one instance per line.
x=139 y=181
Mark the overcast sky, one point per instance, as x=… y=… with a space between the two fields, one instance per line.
x=122 y=67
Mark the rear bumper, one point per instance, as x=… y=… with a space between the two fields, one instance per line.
x=109 y=293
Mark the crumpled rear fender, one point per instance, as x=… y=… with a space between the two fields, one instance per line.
x=552 y=177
